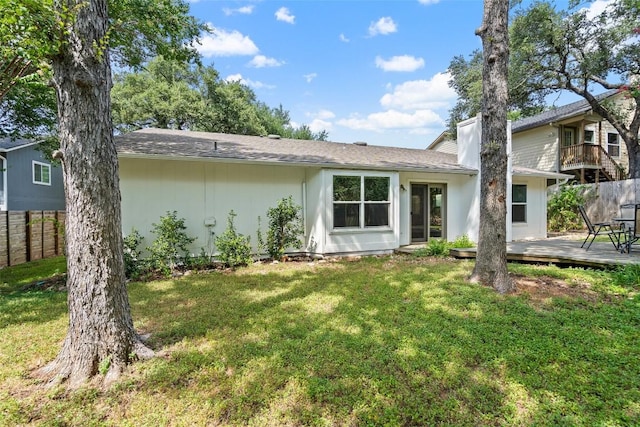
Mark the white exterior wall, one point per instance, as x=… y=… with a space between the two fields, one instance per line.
x=315 y=215
x=469 y=140
x=537 y=148
x=203 y=193
x=536 y=210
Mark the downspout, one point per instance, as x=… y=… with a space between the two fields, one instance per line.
x=304 y=208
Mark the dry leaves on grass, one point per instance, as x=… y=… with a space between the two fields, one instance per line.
x=541 y=289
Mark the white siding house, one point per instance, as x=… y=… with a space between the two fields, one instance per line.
x=355 y=198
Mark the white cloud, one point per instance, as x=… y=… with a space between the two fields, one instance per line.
x=596 y=8
x=322 y=114
x=251 y=83
x=393 y=119
x=244 y=10
x=344 y=38
x=318 y=125
x=261 y=61
x=225 y=43
x=383 y=26
x=309 y=77
x=400 y=63
x=284 y=15
x=428 y=1
x=421 y=94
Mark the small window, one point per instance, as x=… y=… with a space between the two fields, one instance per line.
x=569 y=137
x=519 y=203
x=613 y=145
x=360 y=201
x=41 y=173
x=588 y=136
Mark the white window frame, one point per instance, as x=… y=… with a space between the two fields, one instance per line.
x=41 y=165
x=617 y=144
x=591 y=140
x=514 y=203
x=362 y=203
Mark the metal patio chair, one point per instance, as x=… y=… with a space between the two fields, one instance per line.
x=599 y=229
x=632 y=229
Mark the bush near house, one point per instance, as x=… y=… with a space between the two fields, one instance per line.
x=285 y=228
x=234 y=248
x=562 y=208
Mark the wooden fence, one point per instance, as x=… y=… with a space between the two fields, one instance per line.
x=30 y=235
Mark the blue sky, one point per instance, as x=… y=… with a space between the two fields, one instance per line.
x=364 y=70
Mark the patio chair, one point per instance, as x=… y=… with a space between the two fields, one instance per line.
x=633 y=231
x=599 y=229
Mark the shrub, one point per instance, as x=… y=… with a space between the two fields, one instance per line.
x=171 y=243
x=133 y=265
x=198 y=262
x=285 y=228
x=234 y=248
x=562 y=208
x=462 y=242
x=435 y=247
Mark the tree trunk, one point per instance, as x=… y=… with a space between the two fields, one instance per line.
x=101 y=337
x=491 y=261
x=633 y=152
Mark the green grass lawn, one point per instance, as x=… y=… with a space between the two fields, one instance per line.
x=378 y=341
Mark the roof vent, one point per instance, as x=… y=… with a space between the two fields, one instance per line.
x=272 y=136
x=360 y=143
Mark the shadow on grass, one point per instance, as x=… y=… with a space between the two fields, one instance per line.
x=371 y=343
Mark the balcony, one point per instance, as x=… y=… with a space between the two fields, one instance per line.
x=590 y=163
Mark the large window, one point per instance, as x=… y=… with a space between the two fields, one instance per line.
x=519 y=203
x=360 y=201
x=41 y=173
x=613 y=145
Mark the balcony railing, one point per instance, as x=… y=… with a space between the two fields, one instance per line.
x=590 y=156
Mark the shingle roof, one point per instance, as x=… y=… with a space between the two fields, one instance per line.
x=556 y=114
x=167 y=143
x=8 y=144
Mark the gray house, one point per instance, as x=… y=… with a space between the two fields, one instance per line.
x=28 y=181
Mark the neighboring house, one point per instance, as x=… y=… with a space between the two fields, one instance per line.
x=355 y=198
x=571 y=139
x=28 y=180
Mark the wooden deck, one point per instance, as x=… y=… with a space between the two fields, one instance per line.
x=557 y=251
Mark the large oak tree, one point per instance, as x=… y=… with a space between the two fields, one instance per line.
x=171 y=94
x=491 y=261
x=76 y=39
x=586 y=53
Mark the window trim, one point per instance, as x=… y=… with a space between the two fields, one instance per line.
x=362 y=203
x=42 y=165
x=514 y=203
x=617 y=144
x=591 y=140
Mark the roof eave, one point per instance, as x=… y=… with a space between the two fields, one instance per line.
x=426 y=169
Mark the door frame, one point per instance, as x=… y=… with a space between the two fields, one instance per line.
x=425 y=189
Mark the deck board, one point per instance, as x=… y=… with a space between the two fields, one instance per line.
x=558 y=251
